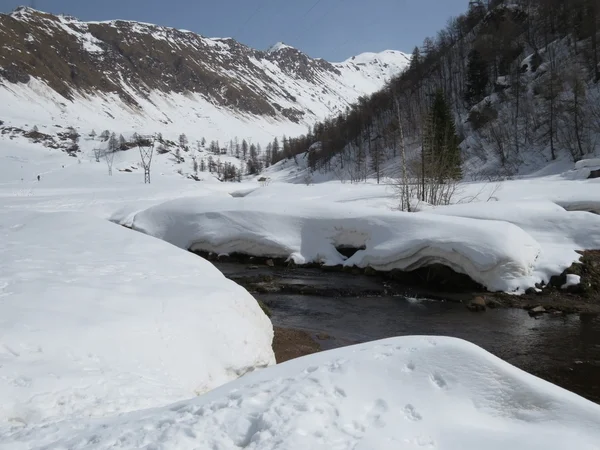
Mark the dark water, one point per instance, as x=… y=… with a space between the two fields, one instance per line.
x=562 y=349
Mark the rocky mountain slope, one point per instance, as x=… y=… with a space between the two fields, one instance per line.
x=126 y=76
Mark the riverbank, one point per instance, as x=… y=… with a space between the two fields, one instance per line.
x=289 y=343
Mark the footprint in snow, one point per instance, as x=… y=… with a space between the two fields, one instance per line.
x=438 y=380
x=410 y=367
x=411 y=413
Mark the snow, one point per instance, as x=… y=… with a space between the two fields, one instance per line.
x=98 y=320
x=572 y=280
x=401 y=393
x=585 y=163
x=108 y=336
x=278 y=46
x=559 y=232
x=174 y=113
x=496 y=254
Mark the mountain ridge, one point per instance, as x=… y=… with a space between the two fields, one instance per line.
x=136 y=61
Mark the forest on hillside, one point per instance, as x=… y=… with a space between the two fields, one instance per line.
x=508 y=86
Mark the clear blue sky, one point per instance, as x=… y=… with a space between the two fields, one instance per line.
x=330 y=29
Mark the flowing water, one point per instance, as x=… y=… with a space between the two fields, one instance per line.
x=563 y=349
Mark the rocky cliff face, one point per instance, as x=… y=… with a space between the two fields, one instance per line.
x=131 y=61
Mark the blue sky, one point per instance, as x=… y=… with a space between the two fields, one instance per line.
x=330 y=29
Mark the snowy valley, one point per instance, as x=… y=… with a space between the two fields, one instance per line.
x=115 y=335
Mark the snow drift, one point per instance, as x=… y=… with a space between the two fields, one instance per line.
x=559 y=232
x=96 y=320
x=496 y=254
x=401 y=393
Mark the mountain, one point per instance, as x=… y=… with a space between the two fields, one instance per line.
x=124 y=75
x=516 y=84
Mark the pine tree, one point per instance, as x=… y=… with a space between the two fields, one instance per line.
x=444 y=159
x=113 y=143
x=477 y=78
x=269 y=154
x=244 y=149
x=183 y=141
x=122 y=143
x=275 y=157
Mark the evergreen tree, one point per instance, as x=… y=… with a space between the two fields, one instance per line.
x=275 y=157
x=183 y=141
x=244 y=149
x=477 y=78
x=122 y=143
x=113 y=143
x=269 y=154
x=443 y=153
x=415 y=59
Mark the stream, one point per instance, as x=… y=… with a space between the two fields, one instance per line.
x=563 y=349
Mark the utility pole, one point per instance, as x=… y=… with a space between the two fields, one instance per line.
x=146 y=147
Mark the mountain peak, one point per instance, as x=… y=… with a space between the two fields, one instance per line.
x=279 y=46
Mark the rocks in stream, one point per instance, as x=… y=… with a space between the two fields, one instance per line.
x=478 y=304
x=538 y=310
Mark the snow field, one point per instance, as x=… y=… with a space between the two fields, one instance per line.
x=96 y=320
x=401 y=393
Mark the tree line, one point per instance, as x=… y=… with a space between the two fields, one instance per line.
x=503 y=83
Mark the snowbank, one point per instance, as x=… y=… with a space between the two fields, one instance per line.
x=96 y=319
x=559 y=232
x=496 y=254
x=588 y=163
x=401 y=393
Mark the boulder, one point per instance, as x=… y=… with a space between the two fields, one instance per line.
x=594 y=174
x=537 y=311
x=478 y=304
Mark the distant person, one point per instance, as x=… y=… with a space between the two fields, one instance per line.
x=38 y=178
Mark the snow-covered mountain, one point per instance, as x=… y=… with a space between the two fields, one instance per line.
x=126 y=76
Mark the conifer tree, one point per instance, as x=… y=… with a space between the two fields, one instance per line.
x=477 y=78
x=443 y=160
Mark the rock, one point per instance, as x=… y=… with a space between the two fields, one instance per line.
x=323 y=336
x=531 y=291
x=537 y=311
x=223 y=257
x=558 y=281
x=478 y=304
x=492 y=304
x=270 y=263
x=594 y=174
x=370 y=271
